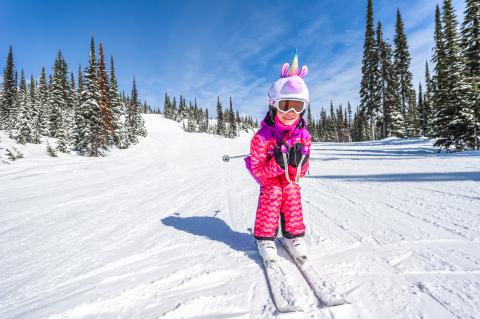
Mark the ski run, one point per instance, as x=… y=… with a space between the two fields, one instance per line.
x=163 y=230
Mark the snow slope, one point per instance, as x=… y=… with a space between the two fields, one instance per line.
x=163 y=230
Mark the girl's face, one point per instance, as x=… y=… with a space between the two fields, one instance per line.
x=288 y=118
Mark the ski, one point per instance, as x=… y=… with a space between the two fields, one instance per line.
x=285 y=295
x=324 y=292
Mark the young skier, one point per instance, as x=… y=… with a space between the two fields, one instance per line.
x=278 y=150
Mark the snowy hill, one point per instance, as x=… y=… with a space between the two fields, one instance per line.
x=162 y=230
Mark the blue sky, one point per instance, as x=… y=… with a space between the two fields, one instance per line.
x=202 y=49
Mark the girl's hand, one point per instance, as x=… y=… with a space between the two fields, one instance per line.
x=278 y=154
x=296 y=153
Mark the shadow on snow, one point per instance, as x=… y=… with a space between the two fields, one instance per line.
x=214 y=228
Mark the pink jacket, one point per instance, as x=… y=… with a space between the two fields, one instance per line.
x=261 y=162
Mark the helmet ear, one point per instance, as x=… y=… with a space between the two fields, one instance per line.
x=303 y=71
x=284 y=70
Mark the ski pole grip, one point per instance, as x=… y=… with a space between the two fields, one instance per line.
x=284 y=149
x=305 y=150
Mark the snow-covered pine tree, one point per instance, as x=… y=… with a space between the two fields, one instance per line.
x=427 y=103
x=33 y=99
x=58 y=101
x=173 y=109
x=238 y=121
x=131 y=115
x=104 y=97
x=385 y=72
x=332 y=127
x=339 y=124
x=65 y=131
x=231 y=119
x=205 y=121
x=455 y=114
x=94 y=140
x=413 y=117
x=369 y=86
x=220 y=126
x=140 y=122
x=26 y=119
x=79 y=126
x=117 y=111
x=421 y=110
x=350 y=121
x=401 y=62
x=181 y=114
x=439 y=115
x=166 y=107
x=471 y=53
x=8 y=111
x=43 y=104
x=134 y=121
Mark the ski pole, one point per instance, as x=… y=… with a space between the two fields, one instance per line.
x=304 y=152
x=284 y=151
x=227 y=158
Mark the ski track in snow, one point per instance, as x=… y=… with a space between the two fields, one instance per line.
x=163 y=230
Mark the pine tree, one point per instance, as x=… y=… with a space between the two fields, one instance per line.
x=439 y=116
x=402 y=59
x=421 y=110
x=33 y=100
x=104 y=99
x=205 y=123
x=26 y=119
x=349 y=121
x=413 y=117
x=471 y=53
x=455 y=114
x=63 y=133
x=8 y=111
x=220 y=125
x=58 y=102
x=427 y=103
x=369 y=86
x=232 y=123
x=140 y=122
x=43 y=104
x=134 y=121
x=117 y=111
x=80 y=124
x=166 y=107
x=332 y=127
x=388 y=88
x=94 y=140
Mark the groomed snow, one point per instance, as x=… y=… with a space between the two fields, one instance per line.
x=163 y=230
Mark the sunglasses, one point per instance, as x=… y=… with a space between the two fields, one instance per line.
x=285 y=106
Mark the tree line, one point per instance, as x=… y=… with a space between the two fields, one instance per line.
x=227 y=123
x=89 y=115
x=447 y=108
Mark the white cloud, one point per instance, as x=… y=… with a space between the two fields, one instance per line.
x=334 y=59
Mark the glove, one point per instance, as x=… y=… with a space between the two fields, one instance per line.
x=278 y=154
x=296 y=154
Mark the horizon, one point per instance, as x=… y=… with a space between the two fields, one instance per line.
x=169 y=49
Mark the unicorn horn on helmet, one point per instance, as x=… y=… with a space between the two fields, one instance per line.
x=291 y=84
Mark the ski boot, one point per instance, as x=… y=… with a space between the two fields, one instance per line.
x=267 y=249
x=297 y=247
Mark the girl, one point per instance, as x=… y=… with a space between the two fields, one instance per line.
x=279 y=156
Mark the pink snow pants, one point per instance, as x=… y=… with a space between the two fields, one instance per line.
x=279 y=198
